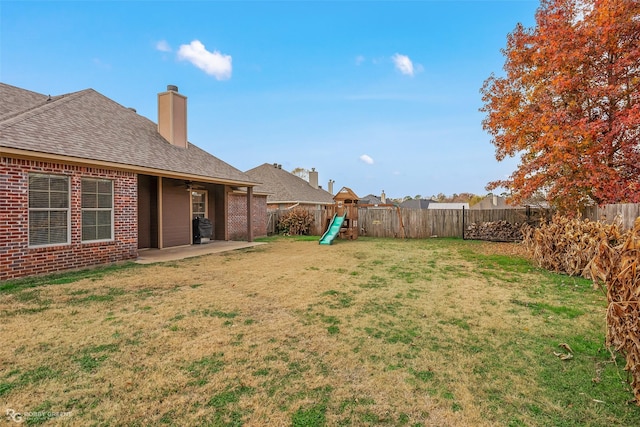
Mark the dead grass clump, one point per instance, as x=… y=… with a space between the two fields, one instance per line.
x=567 y=245
x=504 y=248
x=619 y=268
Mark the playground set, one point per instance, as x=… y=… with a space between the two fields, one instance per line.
x=344 y=223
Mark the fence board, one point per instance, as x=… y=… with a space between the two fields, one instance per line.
x=628 y=212
x=415 y=224
x=379 y=222
x=511 y=216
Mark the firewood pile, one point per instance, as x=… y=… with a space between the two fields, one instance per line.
x=567 y=245
x=295 y=223
x=497 y=231
x=618 y=267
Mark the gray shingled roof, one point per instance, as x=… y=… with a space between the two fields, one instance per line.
x=417 y=203
x=90 y=126
x=284 y=187
x=16 y=100
x=370 y=199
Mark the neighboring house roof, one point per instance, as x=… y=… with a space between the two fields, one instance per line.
x=493 y=202
x=448 y=205
x=370 y=200
x=417 y=203
x=86 y=126
x=500 y=202
x=284 y=187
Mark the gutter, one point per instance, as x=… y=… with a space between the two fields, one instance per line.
x=56 y=158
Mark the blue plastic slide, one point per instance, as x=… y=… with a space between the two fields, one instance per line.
x=333 y=230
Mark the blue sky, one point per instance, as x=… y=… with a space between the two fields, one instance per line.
x=375 y=95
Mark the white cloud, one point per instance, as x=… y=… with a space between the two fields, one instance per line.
x=163 y=46
x=213 y=63
x=367 y=159
x=403 y=63
x=100 y=64
x=359 y=59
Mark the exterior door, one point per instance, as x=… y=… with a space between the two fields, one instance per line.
x=198 y=207
x=198 y=204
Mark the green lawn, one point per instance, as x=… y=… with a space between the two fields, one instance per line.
x=368 y=332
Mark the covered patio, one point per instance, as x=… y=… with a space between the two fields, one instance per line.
x=150 y=256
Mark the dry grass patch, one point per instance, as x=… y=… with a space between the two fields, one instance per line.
x=367 y=332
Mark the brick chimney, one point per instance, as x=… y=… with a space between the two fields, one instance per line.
x=172 y=116
x=313 y=178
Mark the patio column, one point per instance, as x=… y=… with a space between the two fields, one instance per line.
x=249 y=214
x=160 y=208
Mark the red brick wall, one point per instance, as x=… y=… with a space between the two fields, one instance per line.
x=17 y=259
x=238 y=216
x=259 y=214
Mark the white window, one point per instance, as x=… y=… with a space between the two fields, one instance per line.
x=48 y=210
x=97 y=209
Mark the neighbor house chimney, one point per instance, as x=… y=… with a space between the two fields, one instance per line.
x=330 y=186
x=383 y=198
x=313 y=178
x=172 y=116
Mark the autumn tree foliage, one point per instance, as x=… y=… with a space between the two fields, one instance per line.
x=569 y=104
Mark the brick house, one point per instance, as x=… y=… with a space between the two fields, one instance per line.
x=86 y=181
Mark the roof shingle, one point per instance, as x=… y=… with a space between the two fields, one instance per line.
x=285 y=187
x=16 y=100
x=88 y=125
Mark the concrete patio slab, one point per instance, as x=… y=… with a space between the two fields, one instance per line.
x=150 y=256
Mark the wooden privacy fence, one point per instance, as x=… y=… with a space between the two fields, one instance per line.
x=627 y=212
x=423 y=223
x=410 y=223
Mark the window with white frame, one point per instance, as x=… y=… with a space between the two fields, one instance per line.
x=48 y=209
x=97 y=209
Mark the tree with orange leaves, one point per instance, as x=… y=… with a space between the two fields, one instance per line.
x=569 y=104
